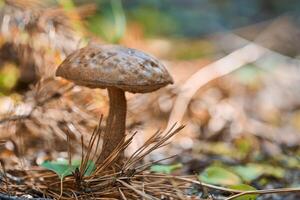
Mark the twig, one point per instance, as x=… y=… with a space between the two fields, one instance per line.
x=207 y=185
x=239 y=193
x=247 y=54
x=269 y=191
x=222 y=67
x=146 y=196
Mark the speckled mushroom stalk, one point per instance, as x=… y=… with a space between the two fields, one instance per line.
x=115 y=128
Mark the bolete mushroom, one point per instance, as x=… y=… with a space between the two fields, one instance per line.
x=119 y=69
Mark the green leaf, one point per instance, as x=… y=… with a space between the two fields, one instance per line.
x=62 y=168
x=219 y=176
x=244 y=187
x=249 y=172
x=252 y=171
x=274 y=171
x=165 y=169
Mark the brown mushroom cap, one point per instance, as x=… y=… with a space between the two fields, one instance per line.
x=104 y=66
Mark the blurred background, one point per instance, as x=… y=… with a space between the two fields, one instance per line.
x=235 y=64
x=192 y=18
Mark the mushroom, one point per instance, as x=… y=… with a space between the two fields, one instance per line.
x=118 y=69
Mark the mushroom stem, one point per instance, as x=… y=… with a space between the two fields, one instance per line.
x=115 y=128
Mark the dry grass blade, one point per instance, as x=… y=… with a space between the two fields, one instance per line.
x=41 y=94
x=122 y=194
x=142 y=194
x=145 y=166
x=109 y=161
x=95 y=137
x=110 y=180
x=158 y=140
x=143 y=147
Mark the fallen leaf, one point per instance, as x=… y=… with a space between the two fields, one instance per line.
x=219 y=176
